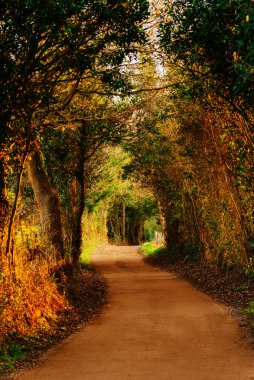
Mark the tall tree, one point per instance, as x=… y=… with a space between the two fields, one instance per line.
x=48 y=202
x=42 y=45
x=212 y=40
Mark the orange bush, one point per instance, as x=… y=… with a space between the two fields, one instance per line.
x=30 y=300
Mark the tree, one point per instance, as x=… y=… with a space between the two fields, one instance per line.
x=211 y=44
x=54 y=44
x=212 y=40
x=48 y=203
x=43 y=45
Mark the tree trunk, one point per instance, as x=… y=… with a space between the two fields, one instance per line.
x=78 y=199
x=4 y=205
x=9 y=248
x=48 y=203
x=173 y=238
x=123 y=224
x=78 y=206
x=3 y=201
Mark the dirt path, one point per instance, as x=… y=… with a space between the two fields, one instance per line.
x=155 y=328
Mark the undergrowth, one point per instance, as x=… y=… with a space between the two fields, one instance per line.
x=249 y=310
x=30 y=301
x=9 y=356
x=151 y=248
x=87 y=251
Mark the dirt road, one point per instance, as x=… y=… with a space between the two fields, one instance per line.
x=156 y=327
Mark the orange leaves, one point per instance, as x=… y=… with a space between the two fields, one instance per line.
x=30 y=299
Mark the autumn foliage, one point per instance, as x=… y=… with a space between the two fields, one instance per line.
x=30 y=299
x=94 y=92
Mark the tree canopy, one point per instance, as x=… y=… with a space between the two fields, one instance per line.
x=119 y=121
x=212 y=40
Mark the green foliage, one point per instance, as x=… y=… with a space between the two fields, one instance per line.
x=94 y=231
x=198 y=164
x=115 y=205
x=43 y=42
x=152 y=225
x=132 y=219
x=88 y=250
x=150 y=248
x=249 y=311
x=242 y=288
x=192 y=252
x=9 y=356
x=213 y=39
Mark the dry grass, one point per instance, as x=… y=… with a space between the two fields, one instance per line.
x=30 y=299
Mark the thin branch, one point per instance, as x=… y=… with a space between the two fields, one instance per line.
x=94 y=150
x=132 y=92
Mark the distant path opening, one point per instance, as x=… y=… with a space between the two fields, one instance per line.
x=155 y=327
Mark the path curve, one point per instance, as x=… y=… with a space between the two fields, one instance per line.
x=156 y=327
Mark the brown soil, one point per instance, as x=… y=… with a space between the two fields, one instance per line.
x=155 y=327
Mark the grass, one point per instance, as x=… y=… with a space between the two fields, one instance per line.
x=150 y=248
x=8 y=358
x=242 y=287
x=249 y=311
x=27 y=233
x=87 y=252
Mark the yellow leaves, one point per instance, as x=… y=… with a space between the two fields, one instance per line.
x=33 y=297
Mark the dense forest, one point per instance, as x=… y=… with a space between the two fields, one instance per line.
x=121 y=120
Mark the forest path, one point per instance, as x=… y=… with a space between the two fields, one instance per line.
x=156 y=327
